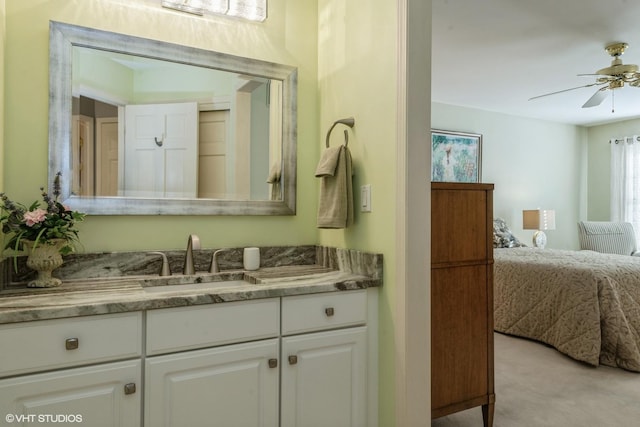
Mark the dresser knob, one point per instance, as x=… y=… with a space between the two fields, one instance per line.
x=130 y=388
x=273 y=363
x=71 y=343
x=293 y=360
x=328 y=311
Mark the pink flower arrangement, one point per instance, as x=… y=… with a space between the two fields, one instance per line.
x=39 y=225
x=34 y=217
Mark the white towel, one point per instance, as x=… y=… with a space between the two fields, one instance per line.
x=274 y=179
x=274 y=173
x=335 y=209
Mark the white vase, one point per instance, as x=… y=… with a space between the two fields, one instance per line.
x=44 y=258
x=251 y=258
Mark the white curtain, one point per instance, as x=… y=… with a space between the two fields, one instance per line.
x=625 y=181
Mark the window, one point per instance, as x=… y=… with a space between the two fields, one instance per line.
x=625 y=181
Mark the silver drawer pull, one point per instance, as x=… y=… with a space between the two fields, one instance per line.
x=273 y=363
x=293 y=360
x=71 y=343
x=328 y=311
x=130 y=388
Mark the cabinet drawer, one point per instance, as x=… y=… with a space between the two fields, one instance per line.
x=50 y=344
x=183 y=328
x=323 y=311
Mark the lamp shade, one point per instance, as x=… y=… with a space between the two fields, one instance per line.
x=538 y=219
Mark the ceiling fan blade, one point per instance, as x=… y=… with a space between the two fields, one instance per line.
x=566 y=90
x=595 y=74
x=596 y=99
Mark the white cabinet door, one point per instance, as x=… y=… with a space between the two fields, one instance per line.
x=324 y=379
x=230 y=386
x=105 y=395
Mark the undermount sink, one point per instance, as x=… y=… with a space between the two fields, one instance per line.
x=205 y=286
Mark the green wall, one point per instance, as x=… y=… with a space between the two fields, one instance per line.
x=357 y=76
x=26 y=78
x=101 y=75
x=155 y=81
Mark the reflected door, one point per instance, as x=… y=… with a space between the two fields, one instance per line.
x=160 y=150
x=82 y=157
x=107 y=156
x=212 y=157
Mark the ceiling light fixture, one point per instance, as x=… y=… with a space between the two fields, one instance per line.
x=189 y=6
x=253 y=10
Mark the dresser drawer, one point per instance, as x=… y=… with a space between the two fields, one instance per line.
x=49 y=344
x=323 y=311
x=184 y=328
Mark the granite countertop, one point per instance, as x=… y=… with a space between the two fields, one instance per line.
x=123 y=294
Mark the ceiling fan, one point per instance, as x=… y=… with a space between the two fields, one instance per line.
x=609 y=78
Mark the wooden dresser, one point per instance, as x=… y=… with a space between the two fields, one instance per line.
x=462 y=299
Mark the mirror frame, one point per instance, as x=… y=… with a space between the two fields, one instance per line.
x=63 y=37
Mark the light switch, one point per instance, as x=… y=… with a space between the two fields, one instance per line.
x=365 y=198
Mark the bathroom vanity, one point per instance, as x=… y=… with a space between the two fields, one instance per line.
x=294 y=350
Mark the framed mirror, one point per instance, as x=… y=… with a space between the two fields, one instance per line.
x=143 y=127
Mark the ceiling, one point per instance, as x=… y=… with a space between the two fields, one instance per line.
x=496 y=54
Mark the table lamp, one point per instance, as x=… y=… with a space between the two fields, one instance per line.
x=539 y=220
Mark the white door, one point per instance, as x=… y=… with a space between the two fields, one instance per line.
x=97 y=396
x=324 y=380
x=229 y=386
x=161 y=150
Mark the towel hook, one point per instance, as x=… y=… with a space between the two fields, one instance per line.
x=349 y=121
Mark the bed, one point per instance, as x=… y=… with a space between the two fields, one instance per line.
x=585 y=304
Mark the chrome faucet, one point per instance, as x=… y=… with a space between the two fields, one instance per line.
x=214 y=268
x=192 y=243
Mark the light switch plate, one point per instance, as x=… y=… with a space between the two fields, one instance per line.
x=365 y=198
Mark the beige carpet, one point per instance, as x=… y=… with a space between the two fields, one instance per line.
x=537 y=386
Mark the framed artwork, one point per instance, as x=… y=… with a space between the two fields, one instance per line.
x=455 y=156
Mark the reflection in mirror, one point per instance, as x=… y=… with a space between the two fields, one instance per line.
x=157 y=128
x=149 y=128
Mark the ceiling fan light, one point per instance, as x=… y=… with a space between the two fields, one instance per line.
x=615 y=84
